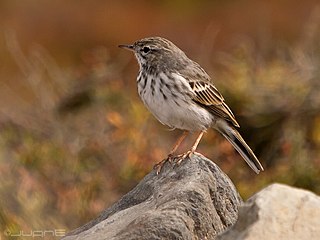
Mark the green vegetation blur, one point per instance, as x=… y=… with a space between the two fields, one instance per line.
x=74 y=135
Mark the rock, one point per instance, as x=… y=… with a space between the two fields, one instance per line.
x=278 y=212
x=194 y=200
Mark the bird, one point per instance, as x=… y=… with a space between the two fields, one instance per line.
x=181 y=95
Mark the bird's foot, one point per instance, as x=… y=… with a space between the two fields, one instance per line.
x=159 y=165
x=178 y=159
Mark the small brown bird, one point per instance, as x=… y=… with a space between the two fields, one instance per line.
x=180 y=94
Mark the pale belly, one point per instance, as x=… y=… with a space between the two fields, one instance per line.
x=173 y=109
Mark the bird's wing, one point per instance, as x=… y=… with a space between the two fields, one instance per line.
x=207 y=95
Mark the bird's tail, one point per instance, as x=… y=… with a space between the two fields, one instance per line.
x=234 y=137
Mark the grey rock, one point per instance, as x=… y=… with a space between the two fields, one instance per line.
x=194 y=200
x=278 y=212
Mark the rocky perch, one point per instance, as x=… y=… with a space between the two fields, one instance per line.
x=196 y=200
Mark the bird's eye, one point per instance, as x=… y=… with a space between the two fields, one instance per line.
x=146 y=49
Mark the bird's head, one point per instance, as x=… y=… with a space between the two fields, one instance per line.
x=156 y=52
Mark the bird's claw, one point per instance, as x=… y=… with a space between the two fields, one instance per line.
x=160 y=164
x=182 y=157
x=176 y=160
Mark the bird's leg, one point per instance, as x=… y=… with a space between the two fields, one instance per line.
x=169 y=158
x=177 y=144
x=183 y=156
x=196 y=143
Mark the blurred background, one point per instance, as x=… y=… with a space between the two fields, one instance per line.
x=74 y=135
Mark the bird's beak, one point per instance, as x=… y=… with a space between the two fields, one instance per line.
x=129 y=47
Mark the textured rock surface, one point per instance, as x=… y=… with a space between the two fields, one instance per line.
x=195 y=200
x=278 y=212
